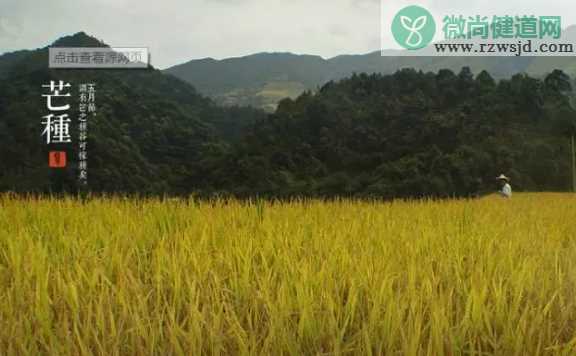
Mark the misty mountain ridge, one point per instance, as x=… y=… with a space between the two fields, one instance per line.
x=263 y=79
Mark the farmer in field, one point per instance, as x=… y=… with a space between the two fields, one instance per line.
x=505 y=188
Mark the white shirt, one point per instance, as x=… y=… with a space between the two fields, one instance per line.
x=506 y=190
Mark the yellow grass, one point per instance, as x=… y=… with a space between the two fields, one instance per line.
x=143 y=277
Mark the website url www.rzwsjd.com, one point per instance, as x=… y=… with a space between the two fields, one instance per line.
x=517 y=49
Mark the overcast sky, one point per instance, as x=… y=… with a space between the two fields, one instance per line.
x=180 y=30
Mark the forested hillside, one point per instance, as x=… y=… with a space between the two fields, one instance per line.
x=150 y=133
x=401 y=135
x=412 y=134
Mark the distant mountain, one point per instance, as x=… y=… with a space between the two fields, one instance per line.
x=263 y=79
x=259 y=80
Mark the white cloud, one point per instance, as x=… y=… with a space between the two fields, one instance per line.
x=180 y=30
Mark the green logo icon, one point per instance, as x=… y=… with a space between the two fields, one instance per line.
x=413 y=27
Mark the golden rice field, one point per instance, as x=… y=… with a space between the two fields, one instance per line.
x=122 y=276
